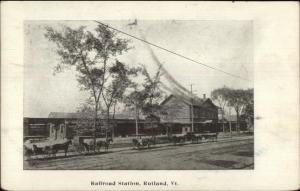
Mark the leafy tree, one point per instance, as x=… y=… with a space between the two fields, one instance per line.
x=135 y=100
x=84 y=122
x=145 y=99
x=239 y=99
x=115 y=88
x=152 y=93
x=248 y=111
x=89 y=53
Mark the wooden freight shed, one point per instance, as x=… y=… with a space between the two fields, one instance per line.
x=61 y=125
x=35 y=127
x=55 y=128
x=192 y=114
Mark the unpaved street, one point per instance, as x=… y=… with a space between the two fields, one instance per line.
x=226 y=154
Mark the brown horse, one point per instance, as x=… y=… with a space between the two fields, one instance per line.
x=61 y=146
x=104 y=144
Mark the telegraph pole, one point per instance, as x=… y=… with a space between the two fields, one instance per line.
x=192 y=108
x=230 y=123
x=136 y=121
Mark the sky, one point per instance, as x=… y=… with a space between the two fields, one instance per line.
x=226 y=45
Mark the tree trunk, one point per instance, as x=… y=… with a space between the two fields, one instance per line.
x=114 y=122
x=95 y=126
x=230 y=129
x=223 y=125
x=167 y=130
x=107 y=125
x=237 y=122
x=136 y=121
x=151 y=116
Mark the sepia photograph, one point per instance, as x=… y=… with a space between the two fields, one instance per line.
x=150 y=95
x=138 y=95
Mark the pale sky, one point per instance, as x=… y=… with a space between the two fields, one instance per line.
x=227 y=45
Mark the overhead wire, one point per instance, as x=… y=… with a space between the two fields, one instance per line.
x=172 y=52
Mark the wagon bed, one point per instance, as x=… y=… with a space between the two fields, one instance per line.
x=43 y=144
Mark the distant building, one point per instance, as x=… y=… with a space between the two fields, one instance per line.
x=179 y=109
x=84 y=123
x=45 y=127
x=177 y=116
x=60 y=125
x=64 y=115
x=185 y=110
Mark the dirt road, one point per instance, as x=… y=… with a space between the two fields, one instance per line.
x=229 y=154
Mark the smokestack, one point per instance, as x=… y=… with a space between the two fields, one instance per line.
x=204 y=96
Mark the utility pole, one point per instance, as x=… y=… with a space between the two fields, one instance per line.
x=192 y=108
x=136 y=121
x=230 y=123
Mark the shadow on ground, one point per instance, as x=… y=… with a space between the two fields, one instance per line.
x=221 y=163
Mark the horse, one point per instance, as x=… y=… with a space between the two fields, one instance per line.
x=61 y=146
x=213 y=137
x=39 y=150
x=86 y=146
x=178 y=139
x=194 y=138
x=136 y=143
x=191 y=137
x=105 y=143
x=143 y=142
x=151 y=141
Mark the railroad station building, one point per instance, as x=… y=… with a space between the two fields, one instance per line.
x=179 y=115
x=185 y=111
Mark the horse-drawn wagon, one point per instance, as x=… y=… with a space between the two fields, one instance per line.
x=178 y=138
x=46 y=147
x=143 y=140
x=195 y=137
x=87 y=143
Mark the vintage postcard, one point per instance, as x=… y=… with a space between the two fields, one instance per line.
x=150 y=96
